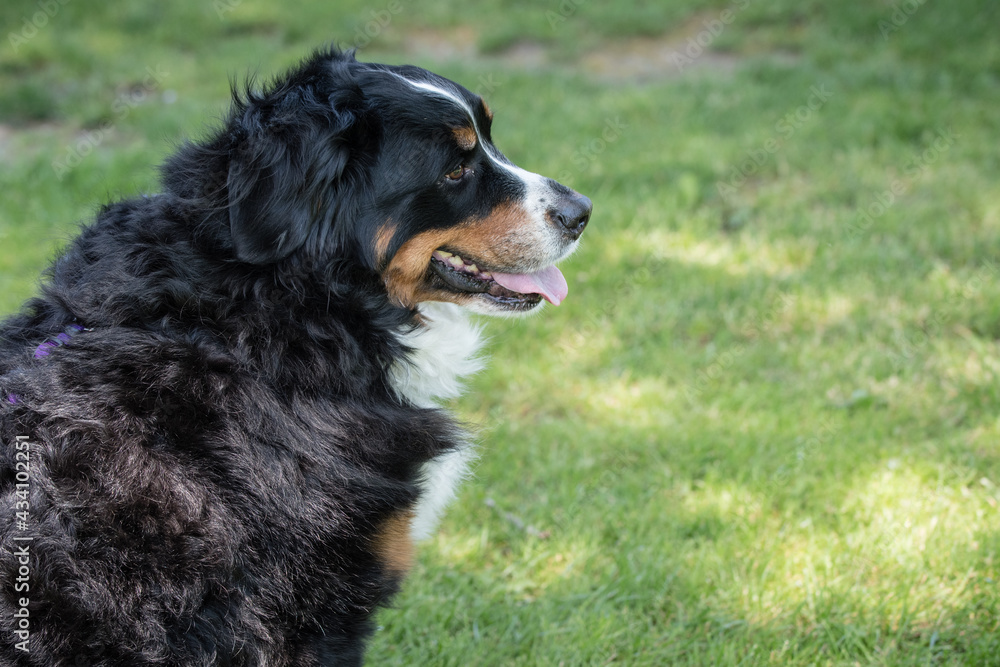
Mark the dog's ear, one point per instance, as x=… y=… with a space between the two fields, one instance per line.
x=282 y=173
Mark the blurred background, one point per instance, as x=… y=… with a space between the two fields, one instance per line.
x=763 y=428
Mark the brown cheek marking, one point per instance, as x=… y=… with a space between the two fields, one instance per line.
x=393 y=544
x=492 y=239
x=466 y=137
x=383 y=237
x=404 y=276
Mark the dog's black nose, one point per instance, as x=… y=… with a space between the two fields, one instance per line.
x=573 y=213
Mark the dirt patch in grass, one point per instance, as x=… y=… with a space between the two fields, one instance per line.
x=654 y=59
x=457 y=43
x=689 y=47
x=9 y=134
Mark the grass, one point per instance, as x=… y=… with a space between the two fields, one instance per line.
x=763 y=429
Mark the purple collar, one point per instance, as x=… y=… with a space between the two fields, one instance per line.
x=46 y=348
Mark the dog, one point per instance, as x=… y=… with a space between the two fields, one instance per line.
x=220 y=418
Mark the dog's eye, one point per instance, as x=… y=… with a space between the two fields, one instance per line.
x=457 y=173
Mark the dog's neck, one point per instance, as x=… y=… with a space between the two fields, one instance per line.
x=444 y=349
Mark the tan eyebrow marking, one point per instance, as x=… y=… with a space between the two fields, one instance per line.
x=486 y=108
x=466 y=137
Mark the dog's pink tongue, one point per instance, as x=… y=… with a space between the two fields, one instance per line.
x=549 y=282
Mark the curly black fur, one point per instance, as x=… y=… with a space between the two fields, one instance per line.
x=210 y=459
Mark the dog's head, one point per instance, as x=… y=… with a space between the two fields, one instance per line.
x=395 y=168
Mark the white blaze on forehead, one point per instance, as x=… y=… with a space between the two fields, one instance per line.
x=538 y=190
x=535 y=183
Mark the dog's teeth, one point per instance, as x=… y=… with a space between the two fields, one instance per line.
x=456 y=261
x=486 y=274
x=441 y=254
x=472 y=267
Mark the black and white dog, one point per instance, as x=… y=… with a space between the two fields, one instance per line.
x=218 y=421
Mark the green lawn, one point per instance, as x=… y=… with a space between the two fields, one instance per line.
x=764 y=428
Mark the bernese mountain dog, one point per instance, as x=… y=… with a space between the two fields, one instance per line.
x=220 y=419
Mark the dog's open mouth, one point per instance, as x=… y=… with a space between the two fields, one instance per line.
x=513 y=290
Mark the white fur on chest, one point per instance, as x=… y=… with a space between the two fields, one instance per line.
x=445 y=351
